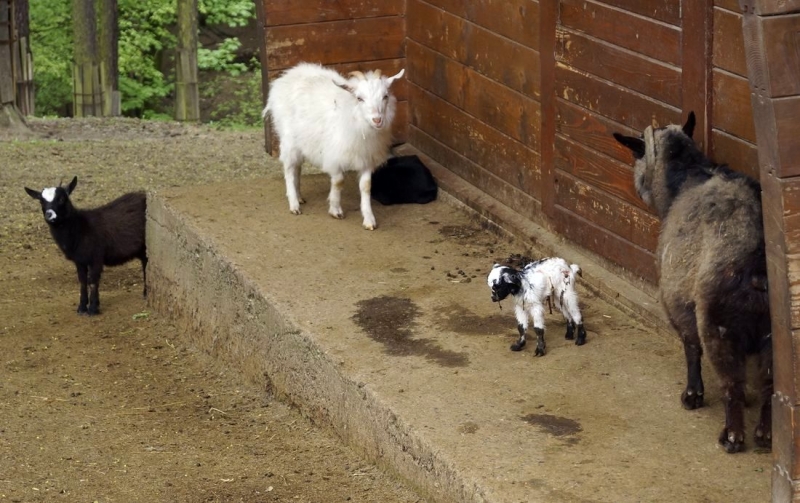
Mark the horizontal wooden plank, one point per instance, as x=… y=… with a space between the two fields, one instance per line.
x=335 y=42
x=728 y=51
x=281 y=12
x=603 y=172
x=508 y=111
x=515 y=199
x=667 y=11
x=611 y=100
x=388 y=67
x=732 y=111
x=517 y=20
x=507 y=158
x=773 y=7
x=780 y=44
x=638 y=261
x=787 y=111
x=731 y=5
x=400 y=124
x=645 y=75
x=735 y=152
x=624 y=220
x=592 y=130
x=486 y=52
x=656 y=40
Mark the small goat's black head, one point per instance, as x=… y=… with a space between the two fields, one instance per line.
x=55 y=202
x=504 y=281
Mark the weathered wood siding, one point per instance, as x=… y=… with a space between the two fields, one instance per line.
x=344 y=34
x=474 y=93
x=520 y=97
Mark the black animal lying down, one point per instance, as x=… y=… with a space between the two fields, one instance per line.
x=403 y=180
x=111 y=235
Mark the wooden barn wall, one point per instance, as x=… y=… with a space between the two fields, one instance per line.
x=345 y=35
x=520 y=97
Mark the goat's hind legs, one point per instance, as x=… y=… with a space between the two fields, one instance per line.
x=685 y=323
x=763 y=432
x=728 y=359
x=292 y=162
x=538 y=326
x=83 y=273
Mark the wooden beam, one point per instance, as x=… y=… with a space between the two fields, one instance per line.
x=696 y=50
x=548 y=20
x=769 y=29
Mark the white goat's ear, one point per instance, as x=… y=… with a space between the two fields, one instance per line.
x=34 y=194
x=345 y=85
x=391 y=79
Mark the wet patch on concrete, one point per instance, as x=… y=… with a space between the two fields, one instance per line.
x=391 y=321
x=556 y=426
x=458 y=319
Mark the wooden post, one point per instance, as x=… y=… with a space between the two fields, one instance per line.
x=696 y=47
x=109 y=57
x=86 y=69
x=772 y=36
x=261 y=23
x=187 y=95
x=10 y=118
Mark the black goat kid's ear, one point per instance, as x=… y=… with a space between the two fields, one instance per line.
x=688 y=128
x=34 y=193
x=636 y=145
x=72 y=185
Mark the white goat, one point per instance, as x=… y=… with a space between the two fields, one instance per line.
x=530 y=287
x=335 y=123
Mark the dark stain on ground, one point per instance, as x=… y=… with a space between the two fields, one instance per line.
x=556 y=426
x=458 y=319
x=461 y=232
x=391 y=321
x=468 y=428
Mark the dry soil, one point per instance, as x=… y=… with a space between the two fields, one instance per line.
x=114 y=408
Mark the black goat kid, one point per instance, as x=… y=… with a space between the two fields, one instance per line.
x=712 y=267
x=110 y=235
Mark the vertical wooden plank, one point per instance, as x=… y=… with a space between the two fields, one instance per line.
x=772 y=66
x=261 y=24
x=696 y=48
x=548 y=19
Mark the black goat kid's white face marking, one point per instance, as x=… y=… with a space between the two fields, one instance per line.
x=54 y=200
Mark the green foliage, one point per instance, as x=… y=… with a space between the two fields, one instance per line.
x=242 y=103
x=145 y=44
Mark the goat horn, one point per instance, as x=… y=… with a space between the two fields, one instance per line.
x=357 y=74
x=376 y=74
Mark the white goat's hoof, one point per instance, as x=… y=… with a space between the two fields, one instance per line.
x=336 y=214
x=370 y=225
x=295 y=211
x=301 y=200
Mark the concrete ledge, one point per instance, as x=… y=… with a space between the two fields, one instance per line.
x=390 y=339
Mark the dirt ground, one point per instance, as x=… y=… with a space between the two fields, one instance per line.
x=114 y=407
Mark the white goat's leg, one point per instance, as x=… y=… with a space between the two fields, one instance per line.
x=522 y=327
x=292 y=159
x=298 y=172
x=365 y=186
x=335 y=196
x=572 y=313
x=537 y=312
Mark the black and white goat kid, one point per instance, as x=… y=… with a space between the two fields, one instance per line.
x=530 y=287
x=111 y=235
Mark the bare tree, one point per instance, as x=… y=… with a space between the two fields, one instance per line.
x=10 y=118
x=187 y=102
x=109 y=56
x=86 y=68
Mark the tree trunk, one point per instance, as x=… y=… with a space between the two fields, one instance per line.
x=10 y=118
x=187 y=102
x=22 y=59
x=109 y=56
x=86 y=69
